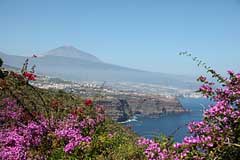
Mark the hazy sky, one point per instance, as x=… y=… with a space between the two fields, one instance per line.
x=144 y=34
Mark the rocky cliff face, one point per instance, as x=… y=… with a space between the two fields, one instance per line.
x=149 y=106
x=124 y=107
x=118 y=109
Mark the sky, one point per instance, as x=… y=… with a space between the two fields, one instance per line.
x=141 y=34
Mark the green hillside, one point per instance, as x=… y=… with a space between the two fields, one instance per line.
x=109 y=140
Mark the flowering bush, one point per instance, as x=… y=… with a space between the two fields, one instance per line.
x=18 y=135
x=45 y=124
x=27 y=131
x=217 y=136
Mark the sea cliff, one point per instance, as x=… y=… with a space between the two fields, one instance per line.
x=121 y=108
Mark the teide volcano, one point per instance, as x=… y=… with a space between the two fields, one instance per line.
x=73 y=64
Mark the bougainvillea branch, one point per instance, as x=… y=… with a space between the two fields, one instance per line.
x=217 y=136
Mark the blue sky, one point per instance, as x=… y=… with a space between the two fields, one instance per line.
x=143 y=34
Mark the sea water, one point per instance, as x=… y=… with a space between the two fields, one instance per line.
x=171 y=124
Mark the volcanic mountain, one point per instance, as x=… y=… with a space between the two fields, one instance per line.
x=71 y=63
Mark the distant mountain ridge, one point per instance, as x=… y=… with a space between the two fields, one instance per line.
x=73 y=64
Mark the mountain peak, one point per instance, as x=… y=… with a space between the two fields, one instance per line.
x=67 y=47
x=69 y=51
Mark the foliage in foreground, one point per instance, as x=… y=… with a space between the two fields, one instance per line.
x=43 y=124
x=217 y=136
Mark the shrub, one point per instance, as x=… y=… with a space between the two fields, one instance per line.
x=42 y=124
x=217 y=136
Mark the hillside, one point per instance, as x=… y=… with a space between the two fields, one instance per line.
x=39 y=114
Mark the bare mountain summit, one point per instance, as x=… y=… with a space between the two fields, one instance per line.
x=72 y=52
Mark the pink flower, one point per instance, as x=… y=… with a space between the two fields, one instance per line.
x=202 y=79
x=230 y=72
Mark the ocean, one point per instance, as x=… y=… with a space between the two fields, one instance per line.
x=170 y=124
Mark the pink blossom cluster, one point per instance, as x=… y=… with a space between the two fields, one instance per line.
x=71 y=131
x=152 y=150
x=18 y=134
x=218 y=130
x=229 y=92
x=12 y=145
x=16 y=141
x=206 y=89
x=10 y=111
x=16 y=138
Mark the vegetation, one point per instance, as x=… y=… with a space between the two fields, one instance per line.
x=217 y=136
x=43 y=124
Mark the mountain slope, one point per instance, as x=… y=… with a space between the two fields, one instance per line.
x=62 y=62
